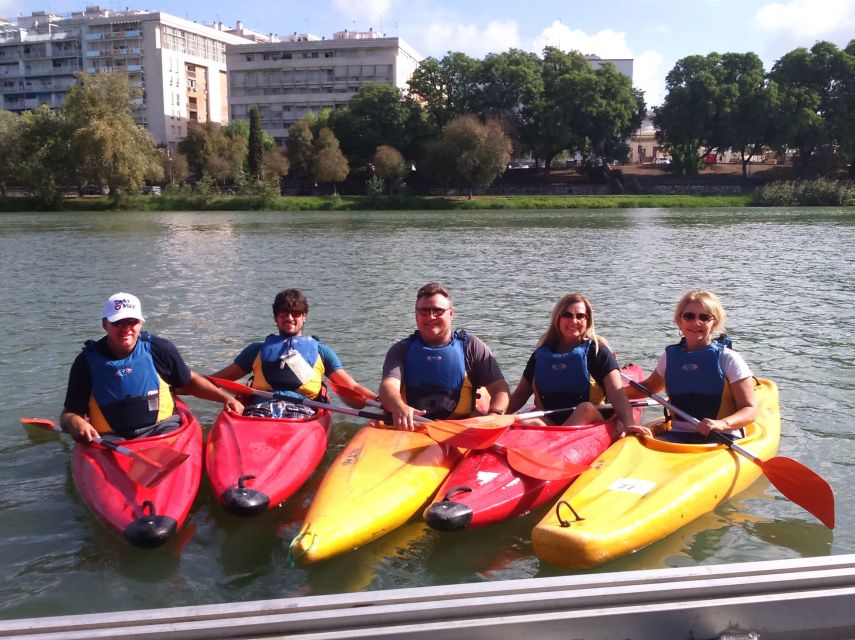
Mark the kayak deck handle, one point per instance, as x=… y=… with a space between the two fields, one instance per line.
x=563 y=522
x=242 y=480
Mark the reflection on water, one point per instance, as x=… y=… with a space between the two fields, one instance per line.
x=206 y=280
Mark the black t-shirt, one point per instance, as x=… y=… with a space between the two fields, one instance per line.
x=167 y=361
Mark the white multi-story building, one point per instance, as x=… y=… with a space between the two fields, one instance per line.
x=304 y=73
x=179 y=65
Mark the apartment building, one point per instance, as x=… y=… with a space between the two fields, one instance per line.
x=304 y=73
x=179 y=65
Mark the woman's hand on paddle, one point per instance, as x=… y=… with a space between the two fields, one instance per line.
x=623 y=431
x=708 y=424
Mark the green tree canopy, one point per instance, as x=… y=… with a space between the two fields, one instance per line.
x=210 y=151
x=379 y=114
x=469 y=153
x=106 y=143
x=10 y=143
x=449 y=87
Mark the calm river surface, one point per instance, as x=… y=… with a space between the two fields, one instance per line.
x=206 y=280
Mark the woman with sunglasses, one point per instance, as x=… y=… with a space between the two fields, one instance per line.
x=572 y=365
x=703 y=375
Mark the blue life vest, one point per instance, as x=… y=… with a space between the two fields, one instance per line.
x=694 y=379
x=562 y=379
x=435 y=378
x=128 y=393
x=291 y=364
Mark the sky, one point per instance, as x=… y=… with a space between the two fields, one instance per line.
x=655 y=33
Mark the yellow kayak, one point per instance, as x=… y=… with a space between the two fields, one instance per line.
x=642 y=489
x=381 y=479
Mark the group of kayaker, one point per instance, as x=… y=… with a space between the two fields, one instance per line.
x=122 y=382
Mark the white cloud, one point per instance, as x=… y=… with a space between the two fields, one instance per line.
x=649 y=76
x=437 y=38
x=806 y=19
x=606 y=43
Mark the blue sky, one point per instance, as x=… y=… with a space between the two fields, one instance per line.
x=656 y=33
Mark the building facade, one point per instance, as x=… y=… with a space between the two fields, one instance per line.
x=304 y=73
x=179 y=65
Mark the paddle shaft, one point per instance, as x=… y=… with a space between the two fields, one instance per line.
x=689 y=418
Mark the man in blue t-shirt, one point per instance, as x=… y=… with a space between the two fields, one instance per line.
x=289 y=363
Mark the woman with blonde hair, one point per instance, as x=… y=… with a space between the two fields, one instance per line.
x=702 y=374
x=573 y=367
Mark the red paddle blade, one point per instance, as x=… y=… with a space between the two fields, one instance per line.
x=541 y=465
x=151 y=466
x=41 y=423
x=803 y=486
x=457 y=435
x=231 y=385
x=353 y=397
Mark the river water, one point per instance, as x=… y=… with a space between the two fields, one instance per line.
x=206 y=280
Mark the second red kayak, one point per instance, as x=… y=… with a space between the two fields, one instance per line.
x=254 y=464
x=146 y=516
x=483 y=489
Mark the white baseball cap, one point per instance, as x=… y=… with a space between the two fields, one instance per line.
x=122 y=305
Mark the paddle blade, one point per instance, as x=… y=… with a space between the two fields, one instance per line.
x=351 y=396
x=803 y=486
x=466 y=437
x=41 y=423
x=232 y=385
x=151 y=466
x=541 y=465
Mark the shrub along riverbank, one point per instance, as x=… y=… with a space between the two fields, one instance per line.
x=382 y=203
x=819 y=192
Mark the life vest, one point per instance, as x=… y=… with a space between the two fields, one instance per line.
x=128 y=393
x=435 y=378
x=291 y=363
x=695 y=381
x=562 y=379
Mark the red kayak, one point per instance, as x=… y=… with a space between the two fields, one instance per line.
x=483 y=489
x=146 y=516
x=254 y=464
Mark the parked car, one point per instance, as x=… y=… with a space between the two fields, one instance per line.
x=662 y=160
x=151 y=190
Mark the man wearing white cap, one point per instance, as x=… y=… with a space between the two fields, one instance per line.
x=123 y=382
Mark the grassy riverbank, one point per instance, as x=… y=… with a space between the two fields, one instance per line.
x=385 y=203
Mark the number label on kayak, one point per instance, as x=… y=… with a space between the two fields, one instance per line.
x=631 y=485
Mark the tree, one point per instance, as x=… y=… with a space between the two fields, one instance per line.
x=469 y=153
x=684 y=121
x=274 y=164
x=256 y=144
x=745 y=100
x=328 y=162
x=389 y=165
x=107 y=145
x=44 y=167
x=509 y=82
x=817 y=95
x=10 y=144
x=174 y=165
x=448 y=87
x=377 y=115
x=300 y=147
x=209 y=150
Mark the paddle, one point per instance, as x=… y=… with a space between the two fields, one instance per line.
x=794 y=480
x=149 y=467
x=453 y=432
x=529 y=462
